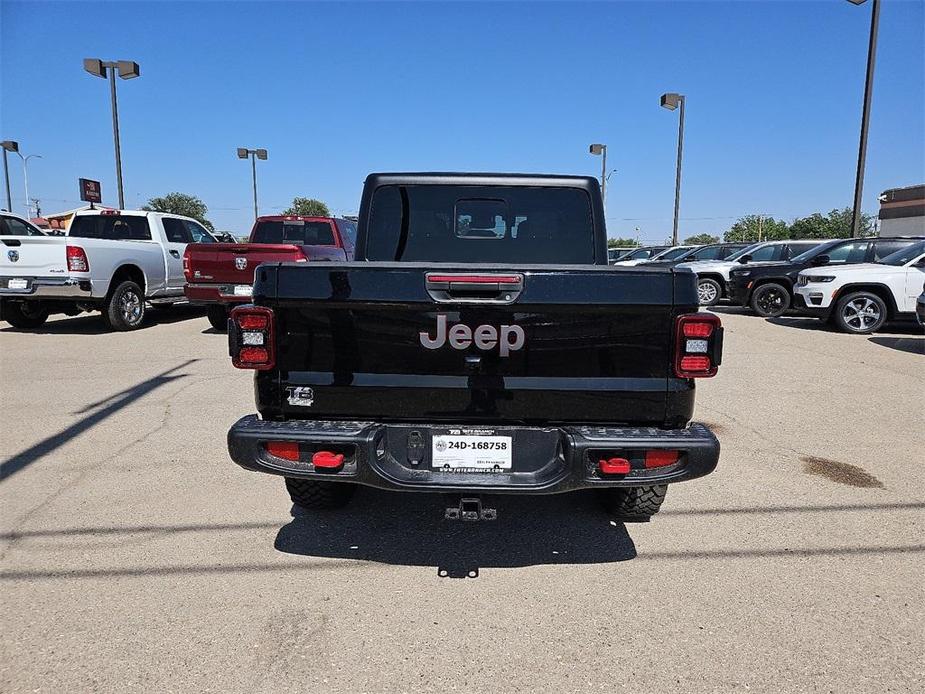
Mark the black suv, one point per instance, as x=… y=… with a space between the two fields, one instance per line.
x=768 y=288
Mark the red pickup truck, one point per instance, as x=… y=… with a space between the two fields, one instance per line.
x=221 y=275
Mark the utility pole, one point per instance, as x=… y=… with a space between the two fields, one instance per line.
x=865 y=117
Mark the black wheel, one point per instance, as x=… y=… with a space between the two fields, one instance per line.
x=770 y=300
x=218 y=317
x=709 y=291
x=125 y=309
x=634 y=502
x=317 y=496
x=860 y=313
x=24 y=314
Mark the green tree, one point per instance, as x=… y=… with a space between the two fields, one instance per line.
x=308 y=207
x=701 y=239
x=754 y=227
x=621 y=243
x=181 y=203
x=835 y=225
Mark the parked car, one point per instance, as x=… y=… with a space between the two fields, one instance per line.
x=768 y=287
x=447 y=362
x=221 y=275
x=713 y=275
x=861 y=298
x=640 y=254
x=113 y=261
x=713 y=251
x=615 y=254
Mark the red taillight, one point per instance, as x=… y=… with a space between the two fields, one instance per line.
x=287 y=450
x=187 y=273
x=698 y=345
x=614 y=466
x=475 y=279
x=252 y=338
x=658 y=458
x=77 y=259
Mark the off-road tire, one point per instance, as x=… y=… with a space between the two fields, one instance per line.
x=637 y=503
x=770 y=300
x=218 y=317
x=862 y=322
x=24 y=315
x=312 y=495
x=125 y=308
x=709 y=291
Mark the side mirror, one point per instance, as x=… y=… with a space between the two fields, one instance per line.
x=820 y=260
x=745 y=258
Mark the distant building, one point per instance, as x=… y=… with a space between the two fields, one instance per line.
x=61 y=220
x=902 y=211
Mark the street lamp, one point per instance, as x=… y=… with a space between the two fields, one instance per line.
x=127 y=70
x=671 y=101
x=25 y=175
x=244 y=153
x=601 y=151
x=865 y=115
x=8 y=146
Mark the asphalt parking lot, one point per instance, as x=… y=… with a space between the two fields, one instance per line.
x=137 y=557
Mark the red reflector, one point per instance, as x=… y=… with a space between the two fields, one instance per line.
x=327 y=459
x=693 y=329
x=250 y=321
x=253 y=355
x=661 y=458
x=287 y=450
x=614 y=466
x=691 y=363
x=476 y=279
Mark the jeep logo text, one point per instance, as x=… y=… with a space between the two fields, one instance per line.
x=509 y=338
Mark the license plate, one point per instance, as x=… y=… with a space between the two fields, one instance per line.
x=471 y=452
x=243 y=290
x=17 y=284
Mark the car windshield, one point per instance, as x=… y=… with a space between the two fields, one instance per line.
x=742 y=251
x=641 y=254
x=706 y=253
x=904 y=255
x=674 y=254
x=806 y=256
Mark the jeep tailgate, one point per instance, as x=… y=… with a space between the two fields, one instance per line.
x=541 y=343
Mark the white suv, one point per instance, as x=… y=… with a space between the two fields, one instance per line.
x=861 y=298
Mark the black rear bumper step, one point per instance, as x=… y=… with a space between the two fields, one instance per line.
x=546 y=460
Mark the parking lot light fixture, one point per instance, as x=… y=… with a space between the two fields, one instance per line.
x=671 y=101
x=8 y=146
x=126 y=69
x=865 y=115
x=254 y=154
x=601 y=151
x=25 y=175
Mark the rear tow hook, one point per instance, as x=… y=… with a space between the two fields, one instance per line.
x=470 y=508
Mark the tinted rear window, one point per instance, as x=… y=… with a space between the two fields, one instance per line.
x=481 y=224
x=110 y=227
x=301 y=233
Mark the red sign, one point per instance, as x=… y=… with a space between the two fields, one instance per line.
x=90 y=190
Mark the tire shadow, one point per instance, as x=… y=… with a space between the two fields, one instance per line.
x=912 y=345
x=410 y=530
x=93 y=323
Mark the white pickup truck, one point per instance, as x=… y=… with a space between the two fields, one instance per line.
x=113 y=261
x=861 y=298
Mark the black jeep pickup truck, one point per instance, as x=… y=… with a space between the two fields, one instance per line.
x=478 y=344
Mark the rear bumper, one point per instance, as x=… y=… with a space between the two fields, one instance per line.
x=215 y=294
x=546 y=460
x=48 y=288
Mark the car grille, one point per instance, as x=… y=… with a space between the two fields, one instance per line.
x=802 y=281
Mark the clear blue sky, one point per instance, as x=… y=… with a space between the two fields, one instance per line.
x=335 y=91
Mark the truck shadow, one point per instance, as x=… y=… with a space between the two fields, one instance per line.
x=93 y=324
x=410 y=530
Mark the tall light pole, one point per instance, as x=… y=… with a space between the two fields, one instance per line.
x=8 y=146
x=671 y=101
x=254 y=154
x=601 y=151
x=127 y=70
x=865 y=116
x=25 y=175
